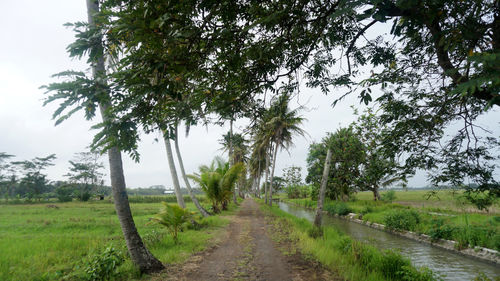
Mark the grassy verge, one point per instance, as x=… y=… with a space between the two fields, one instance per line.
x=52 y=243
x=350 y=259
x=468 y=229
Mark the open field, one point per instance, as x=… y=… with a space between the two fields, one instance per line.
x=442 y=200
x=439 y=217
x=48 y=242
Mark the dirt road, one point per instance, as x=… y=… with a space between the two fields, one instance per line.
x=247 y=253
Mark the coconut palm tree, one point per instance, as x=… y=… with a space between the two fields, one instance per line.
x=184 y=176
x=139 y=254
x=256 y=165
x=217 y=181
x=238 y=149
x=277 y=129
x=173 y=170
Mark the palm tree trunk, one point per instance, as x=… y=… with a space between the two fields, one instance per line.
x=266 y=183
x=259 y=175
x=272 y=175
x=139 y=254
x=173 y=171
x=186 y=181
x=231 y=160
x=322 y=189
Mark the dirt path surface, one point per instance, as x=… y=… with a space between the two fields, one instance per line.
x=248 y=254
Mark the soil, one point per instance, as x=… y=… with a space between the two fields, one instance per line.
x=248 y=253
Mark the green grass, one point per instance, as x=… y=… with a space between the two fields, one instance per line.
x=466 y=226
x=346 y=257
x=40 y=243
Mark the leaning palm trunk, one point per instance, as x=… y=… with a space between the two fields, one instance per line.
x=231 y=152
x=259 y=172
x=139 y=254
x=272 y=175
x=322 y=189
x=258 y=186
x=267 y=176
x=173 y=171
x=186 y=181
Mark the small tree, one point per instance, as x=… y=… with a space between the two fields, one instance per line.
x=292 y=175
x=173 y=218
x=85 y=173
x=217 y=181
x=379 y=167
x=5 y=168
x=33 y=180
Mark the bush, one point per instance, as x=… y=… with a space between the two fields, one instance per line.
x=64 y=194
x=402 y=220
x=366 y=210
x=315 y=232
x=103 y=266
x=84 y=196
x=474 y=235
x=392 y=263
x=298 y=191
x=388 y=196
x=160 y=198
x=440 y=230
x=152 y=238
x=173 y=218
x=338 y=208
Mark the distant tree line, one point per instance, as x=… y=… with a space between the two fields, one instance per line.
x=28 y=180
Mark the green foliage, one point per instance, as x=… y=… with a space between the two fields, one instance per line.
x=30 y=251
x=337 y=208
x=379 y=166
x=34 y=181
x=347 y=156
x=298 y=191
x=359 y=261
x=218 y=181
x=315 y=232
x=158 y=198
x=474 y=235
x=64 y=193
x=292 y=175
x=402 y=220
x=389 y=196
x=173 y=217
x=103 y=266
x=441 y=230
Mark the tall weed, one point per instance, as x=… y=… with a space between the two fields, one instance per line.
x=402 y=220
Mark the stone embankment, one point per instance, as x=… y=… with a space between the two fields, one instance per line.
x=481 y=253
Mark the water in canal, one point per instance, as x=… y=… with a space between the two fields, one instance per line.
x=449 y=265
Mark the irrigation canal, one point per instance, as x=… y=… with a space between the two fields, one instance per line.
x=449 y=265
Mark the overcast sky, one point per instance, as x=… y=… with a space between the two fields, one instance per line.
x=32 y=48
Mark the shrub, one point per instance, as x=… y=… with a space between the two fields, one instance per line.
x=104 y=265
x=388 y=196
x=298 y=191
x=315 y=232
x=366 y=210
x=338 y=208
x=392 y=263
x=402 y=220
x=84 y=196
x=152 y=238
x=440 y=230
x=474 y=235
x=64 y=193
x=173 y=217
